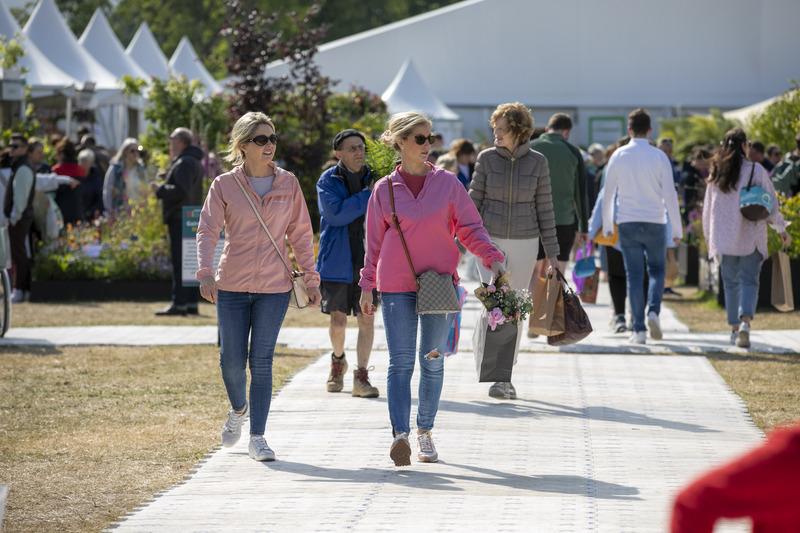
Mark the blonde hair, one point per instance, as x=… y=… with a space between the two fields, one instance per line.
x=400 y=126
x=124 y=147
x=243 y=131
x=520 y=120
x=448 y=161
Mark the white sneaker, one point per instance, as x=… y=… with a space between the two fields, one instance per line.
x=734 y=336
x=654 y=325
x=400 y=451
x=743 y=338
x=232 y=429
x=427 y=451
x=17 y=296
x=260 y=450
x=638 y=337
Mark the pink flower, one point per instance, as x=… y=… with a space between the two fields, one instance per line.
x=496 y=318
x=504 y=288
x=491 y=288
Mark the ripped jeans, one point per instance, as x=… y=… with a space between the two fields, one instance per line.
x=401 y=321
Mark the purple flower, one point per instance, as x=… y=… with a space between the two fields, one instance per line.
x=491 y=288
x=496 y=318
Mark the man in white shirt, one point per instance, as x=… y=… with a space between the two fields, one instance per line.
x=639 y=176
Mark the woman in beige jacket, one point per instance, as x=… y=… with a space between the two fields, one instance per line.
x=511 y=189
x=250 y=284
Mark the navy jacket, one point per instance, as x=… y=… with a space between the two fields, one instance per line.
x=337 y=210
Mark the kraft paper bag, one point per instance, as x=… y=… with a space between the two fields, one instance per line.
x=547 y=317
x=590 y=285
x=782 y=293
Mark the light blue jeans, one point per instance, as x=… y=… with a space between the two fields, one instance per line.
x=740 y=277
x=644 y=245
x=255 y=317
x=401 y=321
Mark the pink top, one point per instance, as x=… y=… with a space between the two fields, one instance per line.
x=414 y=183
x=249 y=261
x=441 y=210
x=727 y=232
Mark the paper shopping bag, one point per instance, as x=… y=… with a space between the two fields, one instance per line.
x=590 y=285
x=547 y=317
x=782 y=293
x=494 y=350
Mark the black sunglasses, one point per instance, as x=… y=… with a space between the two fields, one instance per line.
x=15 y=146
x=420 y=139
x=262 y=140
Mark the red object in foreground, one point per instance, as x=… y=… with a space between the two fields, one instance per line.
x=763 y=484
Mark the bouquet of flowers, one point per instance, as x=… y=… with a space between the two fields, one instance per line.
x=504 y=304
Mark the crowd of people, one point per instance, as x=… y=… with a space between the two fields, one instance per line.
x=521 y=205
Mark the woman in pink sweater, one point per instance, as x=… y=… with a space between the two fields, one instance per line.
x=432 y=207
x=738 y=245
x=250 y=283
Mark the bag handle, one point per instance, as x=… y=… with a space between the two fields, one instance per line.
x=402 y=240
x=750 y=183
x=292 y=273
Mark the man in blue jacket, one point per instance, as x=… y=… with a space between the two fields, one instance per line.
x=342 y=194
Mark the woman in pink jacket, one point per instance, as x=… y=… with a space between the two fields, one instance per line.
x=432 y=207
x=250 y=284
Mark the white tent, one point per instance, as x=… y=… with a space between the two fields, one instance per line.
x=408 y=92
x=43 y=76
x=744 y=114
x=47 y=29
x=185 y=61
x=101 y=42
x=594 y=60
x=144 y=50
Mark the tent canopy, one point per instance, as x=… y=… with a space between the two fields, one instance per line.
x=144 y=50
x=43 y=74
x=101 y=42
x=185 y=61
x=408 y=92
x=48 y=30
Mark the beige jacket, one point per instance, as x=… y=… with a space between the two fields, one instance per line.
x=249 y=261
x=512 y=194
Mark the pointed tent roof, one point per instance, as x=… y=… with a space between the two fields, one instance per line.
x=101 y=42
x=408 y=92
x=42 y=72
x=47 y=29
x=185 y=61
x=144 y=50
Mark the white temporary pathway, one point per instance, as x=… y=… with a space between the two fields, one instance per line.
x=596 y=441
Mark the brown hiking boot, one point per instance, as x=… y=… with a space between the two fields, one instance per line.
x=362 y=388
x=335 y=378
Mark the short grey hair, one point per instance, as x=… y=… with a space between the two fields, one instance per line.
x=86 y=155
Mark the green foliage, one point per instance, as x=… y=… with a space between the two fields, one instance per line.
x=790 y=209
x=10 y=52
x=133 y=86
x=689 y=132
x=133 y=247
x=780 y=121
x=381 y=159
x=357 y=108
x=177 y=103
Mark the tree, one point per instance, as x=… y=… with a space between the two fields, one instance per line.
x=297 y=101
x=779 y=123
x=689 y=132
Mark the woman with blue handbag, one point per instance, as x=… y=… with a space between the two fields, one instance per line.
x=735 y=241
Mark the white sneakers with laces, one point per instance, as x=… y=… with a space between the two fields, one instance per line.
x=259 y=449
x=427 y=451
x=654 y=325
x=232 y=429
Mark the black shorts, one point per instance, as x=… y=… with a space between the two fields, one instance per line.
x=566 y=238
x=342 y=297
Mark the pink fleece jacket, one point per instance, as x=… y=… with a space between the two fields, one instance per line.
x=249 y=261
x=441 y=210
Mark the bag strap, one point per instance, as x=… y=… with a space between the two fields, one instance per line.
x=263 y=225
x=402 y=240
x=750 y=183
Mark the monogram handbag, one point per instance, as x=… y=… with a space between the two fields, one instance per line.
x=436 y=293
x=298 y=298
x=755 y=203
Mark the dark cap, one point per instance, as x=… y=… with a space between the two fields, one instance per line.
x=342 y=135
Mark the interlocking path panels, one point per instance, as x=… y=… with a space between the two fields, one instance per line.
x=593 y=443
